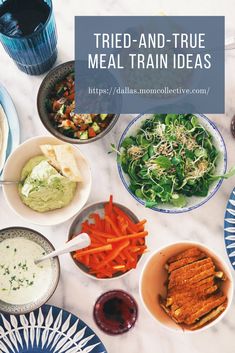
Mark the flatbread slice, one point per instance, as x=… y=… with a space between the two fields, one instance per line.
x=62 y=158
x=67 y=161
x=4 y=132
x=48 y=151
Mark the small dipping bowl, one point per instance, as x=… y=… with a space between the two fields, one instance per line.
x=115 y=312
x=50 y=285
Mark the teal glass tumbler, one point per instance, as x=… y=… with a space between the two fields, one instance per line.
x=35 y=53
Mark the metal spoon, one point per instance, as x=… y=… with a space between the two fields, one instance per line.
x=79 y=242
x=9 y=182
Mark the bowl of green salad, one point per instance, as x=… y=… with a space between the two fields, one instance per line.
x=172 y=163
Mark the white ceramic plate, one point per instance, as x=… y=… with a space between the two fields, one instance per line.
x=12 y=171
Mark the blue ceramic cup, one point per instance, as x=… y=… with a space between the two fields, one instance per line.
x=34 y=53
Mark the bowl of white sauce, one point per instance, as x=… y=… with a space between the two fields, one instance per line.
x=24 y=285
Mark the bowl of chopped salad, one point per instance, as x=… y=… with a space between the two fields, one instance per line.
x=56 y=108
x=172 y=163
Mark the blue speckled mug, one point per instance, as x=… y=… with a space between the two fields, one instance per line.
x=34 y=53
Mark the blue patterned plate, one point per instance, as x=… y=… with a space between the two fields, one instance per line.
x=48 y=329
x=229 y=228
x=12 y=118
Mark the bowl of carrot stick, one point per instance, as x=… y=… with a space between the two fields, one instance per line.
x=118 y=240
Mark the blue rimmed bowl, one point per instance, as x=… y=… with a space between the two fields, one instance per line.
x=194 y=201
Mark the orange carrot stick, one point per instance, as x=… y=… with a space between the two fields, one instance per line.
x=102 y=234
x=127 y=237
x=113 y=225
x=119 y=267
x=111 y=204
x=113 y=254
x=138 y=248
x=96 y=219
x=141 y=223
x=94 y=251
x=121 y=213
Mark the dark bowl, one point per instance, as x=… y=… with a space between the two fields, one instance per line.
x=76 y=229
x=55 y=75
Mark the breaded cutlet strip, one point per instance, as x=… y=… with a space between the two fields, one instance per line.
x=207 y=281
x=183 y=262
x=184 y=274
x=193 y=280
x=207 y=307
x=191 y=300
x=192 y=252
x=200 y=293
x=194 y=309
x=209 y=317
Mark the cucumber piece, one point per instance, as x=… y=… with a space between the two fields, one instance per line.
x=62 y=109
x=103 y=116
x=84 y=135
x=87 y=118
x=96 y=127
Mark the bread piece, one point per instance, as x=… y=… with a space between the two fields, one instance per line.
x=4 y=132
x=48 y=151
x=62 y=158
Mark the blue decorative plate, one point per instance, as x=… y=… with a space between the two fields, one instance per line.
x=229 y=228
x=48 y=329
x=13 y=122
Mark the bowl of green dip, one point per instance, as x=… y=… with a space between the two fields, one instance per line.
x=44 y=195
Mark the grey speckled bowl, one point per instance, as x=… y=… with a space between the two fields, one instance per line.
x=47 y=84
x=76 y=229
x=30 y=234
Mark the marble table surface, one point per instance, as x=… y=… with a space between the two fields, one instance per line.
x=75 y=292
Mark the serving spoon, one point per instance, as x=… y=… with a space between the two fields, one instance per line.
x=79 y=242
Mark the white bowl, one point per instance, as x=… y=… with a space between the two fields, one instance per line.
x=154 y=276
x=193 y=201
x=12 y=171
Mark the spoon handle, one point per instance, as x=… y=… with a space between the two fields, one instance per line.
x=79 y=242
x=8 y=182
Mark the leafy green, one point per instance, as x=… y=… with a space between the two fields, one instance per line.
x=170 y=158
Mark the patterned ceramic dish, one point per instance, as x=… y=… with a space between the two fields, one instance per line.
x=150 y=288
x=12 y=171
x=48 y=329
x=76 y=229
x=44 y=296
x=193 y=202
x=47 y=84
x=12 y=118
x=229 y=228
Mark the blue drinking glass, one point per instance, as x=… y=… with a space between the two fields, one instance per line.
x=34 y=53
